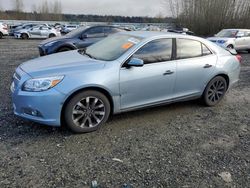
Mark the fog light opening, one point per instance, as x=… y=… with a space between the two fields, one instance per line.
x=32 y=112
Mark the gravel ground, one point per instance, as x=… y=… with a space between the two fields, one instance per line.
x=179 y=145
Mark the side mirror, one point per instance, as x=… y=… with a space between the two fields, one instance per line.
x=135 y=62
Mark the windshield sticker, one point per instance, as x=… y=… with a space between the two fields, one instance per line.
x=134 y=40
x=127 y=45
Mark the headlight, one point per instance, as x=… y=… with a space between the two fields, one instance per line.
x=50 y=44
x=41 y=84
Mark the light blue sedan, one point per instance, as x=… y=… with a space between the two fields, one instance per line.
x=124 y=72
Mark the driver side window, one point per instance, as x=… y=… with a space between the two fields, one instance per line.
x=96 y=30
x=156 y=51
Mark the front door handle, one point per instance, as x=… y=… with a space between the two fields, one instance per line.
x=207 y=66
x=168 y=72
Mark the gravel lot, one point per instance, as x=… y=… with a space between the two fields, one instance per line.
x=179 y=145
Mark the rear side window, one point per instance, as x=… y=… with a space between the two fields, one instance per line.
x=187 y=48
x=205 y=50
x=155 y=51
x=111 y=30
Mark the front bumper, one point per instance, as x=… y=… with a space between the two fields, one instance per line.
x=17 y=35
x=41 y=107
x=42 y=51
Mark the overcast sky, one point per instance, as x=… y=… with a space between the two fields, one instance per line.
x=101 y=7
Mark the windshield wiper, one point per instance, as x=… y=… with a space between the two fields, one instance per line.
x=83 y=52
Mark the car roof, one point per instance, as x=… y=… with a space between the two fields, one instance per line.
x=160 y=34
x=151 y=35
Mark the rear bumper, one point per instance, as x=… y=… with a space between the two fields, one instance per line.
x=4 y=32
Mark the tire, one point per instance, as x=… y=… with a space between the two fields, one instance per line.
x=230 y=46
x=24 y=36
x=87 y=111
x=1 y=35
x=52 y=35
x=215 y=91
x=248 y=51
x=64 y=49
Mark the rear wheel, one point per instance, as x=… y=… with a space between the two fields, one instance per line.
x=215 y=91
x=87 y=111
x=24 y=36
x=1 y=35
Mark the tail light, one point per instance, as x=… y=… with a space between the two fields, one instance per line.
x=239 y=58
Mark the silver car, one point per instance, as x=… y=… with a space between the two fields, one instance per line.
x=239 y=39
x=41 y=31
x=123 y=72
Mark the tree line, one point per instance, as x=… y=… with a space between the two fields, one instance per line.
x=206 y=17
x=52 y=11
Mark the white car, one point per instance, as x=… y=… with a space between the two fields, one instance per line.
x=37 y=32
x=3 y=30
x=68 y=28
x=238 y=39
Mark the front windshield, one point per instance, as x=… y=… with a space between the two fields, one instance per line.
x=227 y=33
x=76 y=32
x=112 y=47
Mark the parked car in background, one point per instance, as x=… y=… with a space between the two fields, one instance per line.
x=41 y=31
x=16 y=28
x=68 y=28
x=238 y=39
x=123 y=72
x=80 y=38
x=3 y=30
x=151 y=28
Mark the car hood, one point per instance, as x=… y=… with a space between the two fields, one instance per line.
x=55 y=39
x=69 y=62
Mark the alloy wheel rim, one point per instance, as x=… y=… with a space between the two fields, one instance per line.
x=216 y=91
x=88 y=112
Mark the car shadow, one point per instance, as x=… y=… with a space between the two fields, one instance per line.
x=17 y=128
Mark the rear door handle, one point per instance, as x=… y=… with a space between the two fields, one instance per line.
x=207 y=66
x=168 y=72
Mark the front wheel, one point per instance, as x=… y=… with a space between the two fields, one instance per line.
x=87 y=111
x=52 y=35
x=64 y=49
x=215 y=91
x=24 y=36
x=230 y=46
